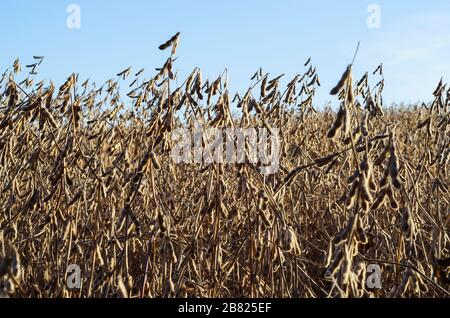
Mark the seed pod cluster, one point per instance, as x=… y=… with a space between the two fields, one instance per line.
x=263 y=208
x=362 y=185
x=392 y=169
x=289 y=241
x=407 y=224
x=162 y=223
x=10 y=269
x=360 y=131
x=342 y=123
x=172 y=42
x=390 y=180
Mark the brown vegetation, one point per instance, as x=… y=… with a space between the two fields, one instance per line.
x=87 y=180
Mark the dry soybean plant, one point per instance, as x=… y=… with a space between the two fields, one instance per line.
x=87 y=178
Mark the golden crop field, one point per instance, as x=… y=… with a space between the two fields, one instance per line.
x=89 y=182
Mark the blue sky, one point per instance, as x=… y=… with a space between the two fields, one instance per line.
x=413 y=41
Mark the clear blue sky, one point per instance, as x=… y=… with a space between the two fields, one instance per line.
x=413 y=41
